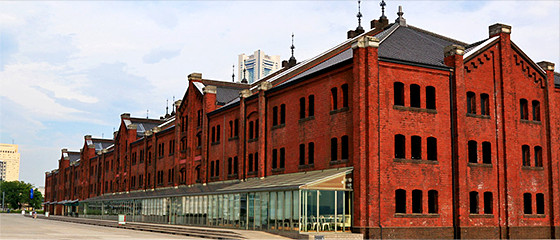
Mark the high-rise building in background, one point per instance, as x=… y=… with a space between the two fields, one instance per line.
x=9 y=162
x=257 y=66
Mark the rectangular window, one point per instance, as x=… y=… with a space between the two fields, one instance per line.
x=283 y=114
x=414 y=95
x=473 y=151
x=432 y=201
x=400 y=201
x=538 y=156
x=334 y=98
x=432 y=148
x=488 y=203
x=398 y=95
x=251 y=162
x=484 y=104
x=274 y=158
x=540 y=203
x=416 y=147
x=282 y=157
x=536 y=111
x=486 y=153
x=399 y=146
x=302 y=108
x=527 y=203
x=344 y=147
x=416 y=201
x=334 y=149
x=274 y=116
x=430 y=97
x=311 y=106
x=302 y=154
x=311 y=152
x=526 y=155
x=471 y=103
x=523 y=109
x=473 y=196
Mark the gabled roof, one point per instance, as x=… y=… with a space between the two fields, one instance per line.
x=73 y=156
x=100 y=143
x=143 y=124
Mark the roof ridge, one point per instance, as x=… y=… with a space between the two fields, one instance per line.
x=437 y=35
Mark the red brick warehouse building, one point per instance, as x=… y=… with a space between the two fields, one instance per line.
x=396 y=132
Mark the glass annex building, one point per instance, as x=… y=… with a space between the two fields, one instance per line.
x=307 y=201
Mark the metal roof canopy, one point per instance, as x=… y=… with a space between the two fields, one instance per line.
x=330 y=179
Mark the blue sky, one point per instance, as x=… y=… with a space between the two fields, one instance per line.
x=70 y=68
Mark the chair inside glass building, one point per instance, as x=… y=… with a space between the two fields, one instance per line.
x=317 y=201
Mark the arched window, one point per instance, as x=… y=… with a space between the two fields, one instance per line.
x=282 y=157
x=334 y=98
x=311 y=109
x=540 y=203
x=486 y=153
x=251 y=129
x=538 y=156
x=344 y=147
x=274 y=116
x=275 y=158
x=430 y=97
x=523 y=109
x=334 y=149
x=473 y=196
x=432 y=201
x=432 y=148
x=302 y=108
x=416 y=147
x=414 y=95
x=536 y=111
x=283 y=114
x=416 y=201
x=398 y=93
x=526 y=155
x=471 y=102
x=235 y=165
x=473 y=151
x=527 y=203
x=311 y=152
x=302 y=154
x=250 y=162
x=400 y=201
x=399 y=146
x=344 y=95
x=484 y=104
x=488 y=203
x=230 y=166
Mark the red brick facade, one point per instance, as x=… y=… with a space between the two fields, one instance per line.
x=467 y=149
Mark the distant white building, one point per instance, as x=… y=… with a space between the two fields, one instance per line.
x=9 y=162
x=257 y=66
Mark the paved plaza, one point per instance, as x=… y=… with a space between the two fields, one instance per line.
x=16 y=226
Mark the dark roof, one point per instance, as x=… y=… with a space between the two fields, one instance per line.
x=339 y=58
x=101 y=144
x=226 y=94
x=143 y=125
x=73 y=156
x=557 y=79
x=415 y=45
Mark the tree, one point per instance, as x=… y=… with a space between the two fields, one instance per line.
x=17 y=194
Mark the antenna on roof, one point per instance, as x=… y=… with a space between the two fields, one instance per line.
x=233 y=73
x=147 y=111
x=102 y=135
x=292 y=47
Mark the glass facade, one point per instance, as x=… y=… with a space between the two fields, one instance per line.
x=297 y=210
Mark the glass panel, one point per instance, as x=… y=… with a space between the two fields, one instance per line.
x=272 y=210
x=264 y=210
x=231 y=210
x=237 y=210
x=326 y=210
x=250 y=210
x=311 y=210
x=220 y=210
x=280 y=206
x=258 y=211
x=243 y=211
x=226 y=210
x=288 y=210
x=295 y=210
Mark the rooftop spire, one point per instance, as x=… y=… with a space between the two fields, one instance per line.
x=292 y=47
x=359 y=17
x=233 y=73
x=382 y=4
x=244 y=80
x=400 y=20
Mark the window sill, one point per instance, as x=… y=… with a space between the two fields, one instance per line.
x=473 y=115
x=278 y=170
x=416 y=215
x=344 y=109
x=252 y=140
x=336 y=162
x=233 y=138
x=484 y=215
x=414 y=109
x=417 y=161
x=215 y=143
x=532 y=168
x=486 y=165
x=306 y=166
x=530 y=121
x=306 y=119
x=534 y=215
x=278 y=126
